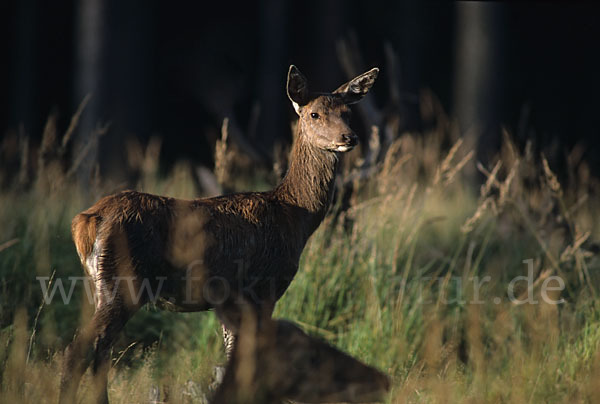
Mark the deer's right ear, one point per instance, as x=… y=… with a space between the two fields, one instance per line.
x=354 y=90
x=297 y=88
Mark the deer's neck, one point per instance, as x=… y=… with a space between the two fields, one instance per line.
x=310 y=180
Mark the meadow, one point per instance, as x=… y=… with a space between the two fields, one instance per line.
x=414 y=271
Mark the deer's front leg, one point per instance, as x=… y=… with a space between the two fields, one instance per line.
x=229 y=338
x=240 y=314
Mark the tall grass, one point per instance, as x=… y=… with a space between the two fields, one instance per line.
x=397 y=278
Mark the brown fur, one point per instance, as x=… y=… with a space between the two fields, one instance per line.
x=274 y=360
x=83 y=229
x=201 y=253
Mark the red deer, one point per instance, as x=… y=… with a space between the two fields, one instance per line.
x=275 y=360
x=194 y=253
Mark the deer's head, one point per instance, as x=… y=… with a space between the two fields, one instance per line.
x=274 y=359
x=324 y=116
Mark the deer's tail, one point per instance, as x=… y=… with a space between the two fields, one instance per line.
x=84 y=229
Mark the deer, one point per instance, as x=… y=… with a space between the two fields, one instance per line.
x=274 y=360
x=206 y=253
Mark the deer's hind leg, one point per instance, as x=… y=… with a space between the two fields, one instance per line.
x=92 y=345
x=113 y=319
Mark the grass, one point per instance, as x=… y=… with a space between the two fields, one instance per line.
x=412 y=277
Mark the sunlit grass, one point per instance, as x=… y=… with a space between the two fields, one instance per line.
x=391 y=280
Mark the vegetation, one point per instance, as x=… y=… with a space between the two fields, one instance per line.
x=411 y=272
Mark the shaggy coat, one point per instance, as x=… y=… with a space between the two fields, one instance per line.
x=191 y=255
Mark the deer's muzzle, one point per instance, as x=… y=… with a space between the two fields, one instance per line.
x=348 y=141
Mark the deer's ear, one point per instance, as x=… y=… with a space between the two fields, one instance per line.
x=354 y=90
x=297 y=88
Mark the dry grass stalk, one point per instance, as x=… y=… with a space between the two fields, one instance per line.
x=551 y=178
x=223 y=156
x=73 y=123
x=96 y=135
x=492 y=178
x=445 y=167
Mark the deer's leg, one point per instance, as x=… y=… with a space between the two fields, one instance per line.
x=77 y=358
x=116 y=316
x=230 y=316
x=229 y=337
x=93 y=344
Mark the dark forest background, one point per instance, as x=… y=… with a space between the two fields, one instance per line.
x=176 y=68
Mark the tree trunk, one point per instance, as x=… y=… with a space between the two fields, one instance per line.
x=478 y=80
x=89 y=31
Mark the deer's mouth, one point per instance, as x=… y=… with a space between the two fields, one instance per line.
x=349 y=141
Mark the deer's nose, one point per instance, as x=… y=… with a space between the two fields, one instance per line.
x=350 y=139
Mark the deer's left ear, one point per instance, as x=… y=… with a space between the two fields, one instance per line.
x=297 y=88
x=354 y=90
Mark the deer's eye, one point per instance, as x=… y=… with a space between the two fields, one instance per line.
x=314 y=115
